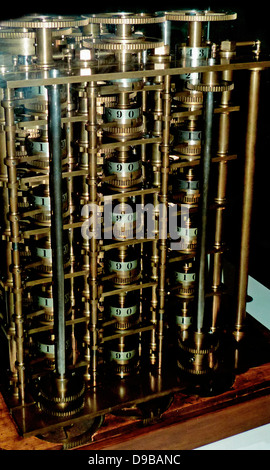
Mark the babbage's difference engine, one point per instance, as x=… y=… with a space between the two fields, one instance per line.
x=114 y=167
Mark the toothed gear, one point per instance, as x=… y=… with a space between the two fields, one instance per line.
x=61 y=397
x=219 y=87
x=188 y=98
x=125 y=18
x=74 y=434
x=46 y=21
x=199 y=15
x=195 y=350
x=195 y=371
x=7 y=34
x=134 y=44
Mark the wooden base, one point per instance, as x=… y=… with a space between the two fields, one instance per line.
x=11 y=440
x=190 y=420
x=194 y=421
x=199 y=431
x=188 y=423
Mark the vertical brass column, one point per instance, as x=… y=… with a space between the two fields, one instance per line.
x=220 y=200
x=44 y=47
x=60 y=393
x=15 y=238
x=166 y=32
x=250 y=151
x=6 y=261
x=93 y=199
x=54 y=132
x=156 y=161
x=163 y=199
x=194 y=33
x=70 y=183
x=206 y=163
x=85 y=242
x=71 y=165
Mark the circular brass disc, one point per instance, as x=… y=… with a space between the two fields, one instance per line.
x=219 y=87
x=61 y=397
x=44 y=21
x=199 y=15
x=9 y=34
x=74 y=434
x=125 y=18
x=132 y=44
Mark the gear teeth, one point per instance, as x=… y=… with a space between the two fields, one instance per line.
x=195 y=350
x=125 y=18
x=50 y=22
x=128 y=46
x=61 y=397
x=190 y=15
x=66 y=399
x=195 y=371
x=219 y=87
x=48 y=409
x=84 y=436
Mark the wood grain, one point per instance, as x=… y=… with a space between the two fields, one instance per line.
x=10 y=439
x=190 y=421
x=203 y=429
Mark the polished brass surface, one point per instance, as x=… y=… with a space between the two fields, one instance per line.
x=143 y=304
x=247 y=199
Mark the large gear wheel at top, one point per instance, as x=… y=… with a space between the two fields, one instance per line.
x=125 y=18
x=30 y=34
x=198 y=15
x=128 y=43
x=44 y=21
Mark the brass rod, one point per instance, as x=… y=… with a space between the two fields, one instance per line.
x=140 y=329
x=203 y=216
x=194 y=33
x=69 y=134
x=156 y=161
x=54 y=132
x=166 y=32
x=136 y=74
x=6 y=260
x=198 y=112
x=15 y=238
x=163 y=199
x=197 y=162
x=129 y=288
x=85 y=242
x=245 y=43
x=250 y=152
x=223 y=150
x=127 y=143
x=125 y=243
x=44 y=46
x=93 y=198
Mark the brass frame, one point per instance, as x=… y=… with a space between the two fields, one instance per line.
x=162 y=381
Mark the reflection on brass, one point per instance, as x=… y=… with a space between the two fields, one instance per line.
x=118 y=133
x=251 y=136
